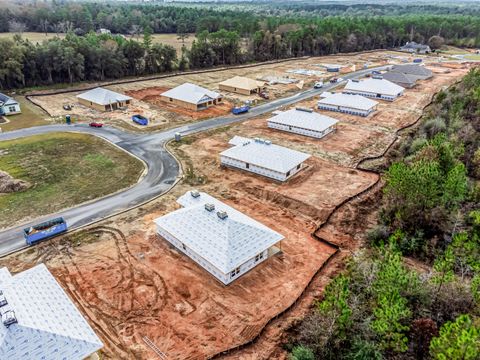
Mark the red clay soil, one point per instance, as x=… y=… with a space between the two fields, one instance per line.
x=151 y=95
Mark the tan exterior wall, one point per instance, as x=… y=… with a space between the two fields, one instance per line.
x=103 y=107
x=238 y=90
x=188 y=105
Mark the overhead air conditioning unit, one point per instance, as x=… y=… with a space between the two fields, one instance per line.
x=195 y=193
x=209 y=207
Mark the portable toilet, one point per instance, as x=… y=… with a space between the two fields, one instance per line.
x=68 y=119
x=178 y=136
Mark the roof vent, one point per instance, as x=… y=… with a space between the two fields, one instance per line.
x=268 y=142
x=9 y=318
x=304 y=109
x=355 y=80
x=222 y=214
x=209 y=207
x=3 y=299
x=195 y=193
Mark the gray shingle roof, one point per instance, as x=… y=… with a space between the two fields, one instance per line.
x=7 y=100
x=264 y=154
x=303 y=119
x=191 y=93
x=401 y=78
x=411 y=69
x=103 y=96
x=224 y=243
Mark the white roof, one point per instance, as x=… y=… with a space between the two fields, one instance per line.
x=103 y=96
x=377 y=86
x=191 y=93
x=49 y=326
x=347 y=100
x=225 y=243
x=263 y=153
x=242 y=82
x=304 y=119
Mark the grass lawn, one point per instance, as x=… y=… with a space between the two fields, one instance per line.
x=34 y=37
x=64 y=170
x=31 y=116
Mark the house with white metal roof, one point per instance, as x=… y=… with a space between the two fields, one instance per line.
x=102 y=99
x=374 y=88
x=219 y=238
x=192 y=97
x=8 y=105
x=242 y=85
x=348 y=104
x=261 y=157
x=304 y=122
x=39 y=321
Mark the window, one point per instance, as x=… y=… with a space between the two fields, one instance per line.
x=184 y=247
x=12 y=109
x=298 y=166
x=288 y=173
x=235 y=272
x=171 y=99
x=247 y=166
x=259 y=257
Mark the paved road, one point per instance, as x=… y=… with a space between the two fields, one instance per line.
x=162 y=167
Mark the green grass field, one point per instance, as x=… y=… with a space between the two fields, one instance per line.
x=64 y=170
x=31 y=116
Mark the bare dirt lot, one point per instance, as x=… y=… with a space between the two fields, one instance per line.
x=131 y=284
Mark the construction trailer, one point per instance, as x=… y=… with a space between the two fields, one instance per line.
x=303 y=122
x=242 y=85
x=39 y=321
x=191 y=97
x=348 y=104
x=8 y=105
x=102 y=99
x=222 y=240
x=374 y=88
x=260 y=156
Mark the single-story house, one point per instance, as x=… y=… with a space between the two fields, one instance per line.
x=8 y=105
x=304 y=122
x=242 y=85
x=418 y=71
x=39 y=320
x=192 y=97
x=413 y=47
x=261 y=157
x=222 y=240
x=103 y=99
x=349 y=104
x=374 y=88
x=405 y=80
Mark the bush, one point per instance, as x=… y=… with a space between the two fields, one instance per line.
x=302 y=353
x=433 y=127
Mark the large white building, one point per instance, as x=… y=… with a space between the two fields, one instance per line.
x=261 y=157
x=39 y=321
x=374 y=88
x=304 y=122
x=222 y=240
x=349 y=104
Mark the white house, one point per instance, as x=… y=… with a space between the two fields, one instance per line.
x=191 y=96
x=8 y=105
x=374 y=88
x=261 y=157
x=222 y=240
x=39 y=321
x=349 y=104
x=303 y=122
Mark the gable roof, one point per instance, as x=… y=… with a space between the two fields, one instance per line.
x=225 y=243
x=242 y=82
x=103 y=96
x=399 y=77
x=263 y=153
x=412 y=69
x=49 y=326
x=191 y=93
x=414 y=45
x=377 y=86
x=304 y=119
x=7 y=100
x=349 y=101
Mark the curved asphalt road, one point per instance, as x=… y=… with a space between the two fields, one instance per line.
x=162 y=167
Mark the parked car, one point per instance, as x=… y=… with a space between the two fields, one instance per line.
x=95 y=124
x=264 y=95
x=318 y=85
x=333 y=80
x=140 y=120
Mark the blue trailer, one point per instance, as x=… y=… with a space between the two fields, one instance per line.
x=240 y=110
x=140 y=120
x=417 y=61
x=44 y=230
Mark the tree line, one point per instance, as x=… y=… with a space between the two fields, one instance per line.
x=379 y=308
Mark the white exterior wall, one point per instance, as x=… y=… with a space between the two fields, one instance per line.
x=299 y=130
x=373 y=95
x=11 y=109
x=346 y=110
x=218 y=274
x=227 y=161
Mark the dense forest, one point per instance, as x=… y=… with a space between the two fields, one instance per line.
x=224 y=36
x=382 y=308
